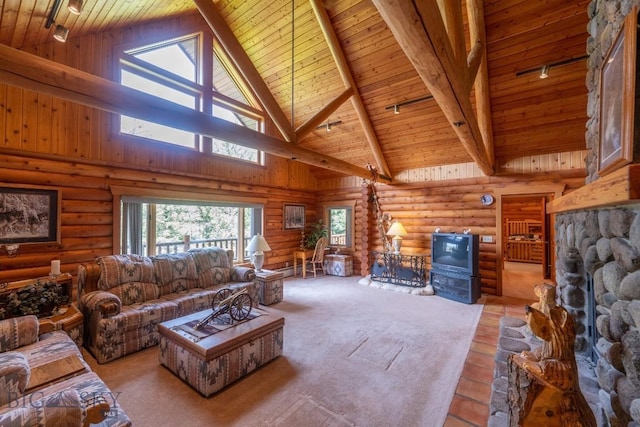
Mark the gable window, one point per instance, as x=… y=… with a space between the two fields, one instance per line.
x=339 y=220
x=174 y=70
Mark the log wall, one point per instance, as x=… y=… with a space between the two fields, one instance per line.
x=451 y=205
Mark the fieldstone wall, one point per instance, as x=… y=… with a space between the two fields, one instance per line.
x=606 y=20
x=605 y=243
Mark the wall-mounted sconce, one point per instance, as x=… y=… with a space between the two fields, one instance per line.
x=396 y=107
x=328 y=125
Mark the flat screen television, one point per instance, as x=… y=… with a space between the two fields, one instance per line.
x=456 y=253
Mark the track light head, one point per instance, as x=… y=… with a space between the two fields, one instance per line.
x=396 y=109
x=61 y=33
x=75 y=6
x=544 y=72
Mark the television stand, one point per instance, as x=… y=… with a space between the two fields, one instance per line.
x=399 y=269
x=455 y=286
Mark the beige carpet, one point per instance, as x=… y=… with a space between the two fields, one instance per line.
x=353 y=356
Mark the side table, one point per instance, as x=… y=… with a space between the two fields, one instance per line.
x=271 y=286
x=339 y=265
x=70 y=321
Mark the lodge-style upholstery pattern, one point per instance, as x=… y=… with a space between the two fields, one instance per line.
x=50 y=402
x=132 y=294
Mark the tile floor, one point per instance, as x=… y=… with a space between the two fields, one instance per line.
x=470 y=404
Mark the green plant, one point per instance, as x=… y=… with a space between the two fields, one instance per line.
x=318 y=230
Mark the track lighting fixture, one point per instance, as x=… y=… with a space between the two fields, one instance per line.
x=544 y=72
x=396 y=107
x=545 y=68
x=328 y=125
x=61 y=32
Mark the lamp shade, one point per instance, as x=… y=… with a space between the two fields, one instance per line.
x=258 y=244
x=396 y=229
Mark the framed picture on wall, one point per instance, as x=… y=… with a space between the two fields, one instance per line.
x=29 y=215
x=617 y=99
x=293 y=216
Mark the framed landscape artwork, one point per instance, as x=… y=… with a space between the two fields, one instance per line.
x=29 y=215
x=293 y=216
x=617 y=99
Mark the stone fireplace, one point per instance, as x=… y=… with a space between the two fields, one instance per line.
x=597 y=237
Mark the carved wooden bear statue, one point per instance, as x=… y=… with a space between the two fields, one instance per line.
x=554 y=396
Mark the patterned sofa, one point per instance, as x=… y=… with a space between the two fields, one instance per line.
x=37 y=388
x=124 y=297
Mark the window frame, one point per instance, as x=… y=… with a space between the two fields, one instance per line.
x=350 y=205
x=120 y=192
x=202 y=89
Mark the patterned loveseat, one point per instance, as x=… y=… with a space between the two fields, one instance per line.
x=37 y=388
x=124 y=297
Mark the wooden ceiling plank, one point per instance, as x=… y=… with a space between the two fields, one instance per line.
x=31 y=72
x=323 y=114
x=347 y=77
x=425 y=44
x=244 y=65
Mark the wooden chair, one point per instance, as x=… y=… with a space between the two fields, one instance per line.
x=317 y=261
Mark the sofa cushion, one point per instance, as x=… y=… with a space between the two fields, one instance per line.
x=135 y=292
x=60 y=409
x=14 y=376
x=207 y=258
x=175 y=272
x=116 y=270
x=18 y=331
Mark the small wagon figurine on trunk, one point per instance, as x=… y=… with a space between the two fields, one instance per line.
x=237 y=305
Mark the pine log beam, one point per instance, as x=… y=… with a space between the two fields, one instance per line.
x=451 y=12
x=32 y=72
x=243 y=64
x=323 y=115
x=421 y=34
x=347 y=78
x=475 y=12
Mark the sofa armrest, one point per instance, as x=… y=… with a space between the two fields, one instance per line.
x=88 y=276
x=14 y=376
x=103 y=302
x=242 y=274
x=18 y=331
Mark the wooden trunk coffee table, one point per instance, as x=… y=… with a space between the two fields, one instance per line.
x=210 y=361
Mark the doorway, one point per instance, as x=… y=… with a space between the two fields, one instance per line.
x=526 y=244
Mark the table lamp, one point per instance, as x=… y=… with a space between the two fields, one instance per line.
x=396 y=230
x=258 y=245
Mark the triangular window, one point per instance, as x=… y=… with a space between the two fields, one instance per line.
x=170 y=69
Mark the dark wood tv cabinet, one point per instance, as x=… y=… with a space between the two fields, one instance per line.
x=455 y=286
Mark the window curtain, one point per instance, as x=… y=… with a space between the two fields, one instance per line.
x=132 y=223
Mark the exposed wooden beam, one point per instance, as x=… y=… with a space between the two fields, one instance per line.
x=419 y=30
x=241 y=60
x=322 y=115
x=475 y=12
x=451 y=12
x=32 y=72
x=347 y=78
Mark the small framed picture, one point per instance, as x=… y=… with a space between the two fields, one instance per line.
x=617 y=99
x=293 y=216
x=29 y=215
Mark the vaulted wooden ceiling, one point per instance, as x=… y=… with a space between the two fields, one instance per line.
x=309 y=52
